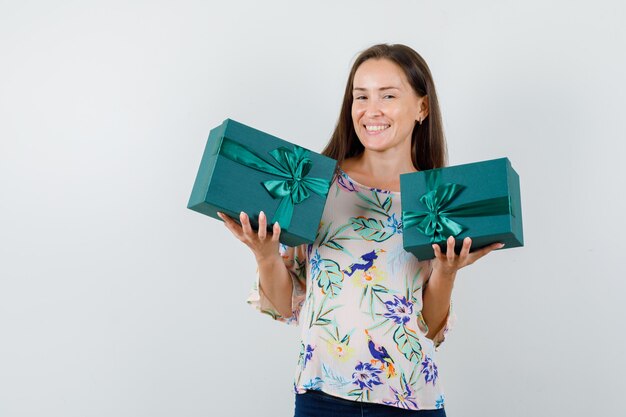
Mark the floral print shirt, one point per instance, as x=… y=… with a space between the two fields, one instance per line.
x=357 y=298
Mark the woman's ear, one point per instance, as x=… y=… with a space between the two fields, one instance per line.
x=423 y=109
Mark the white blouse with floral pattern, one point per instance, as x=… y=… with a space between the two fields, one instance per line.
x=358 y=299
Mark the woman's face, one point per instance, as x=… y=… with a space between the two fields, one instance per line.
x=385 y=107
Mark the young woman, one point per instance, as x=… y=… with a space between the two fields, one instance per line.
x=371 y=314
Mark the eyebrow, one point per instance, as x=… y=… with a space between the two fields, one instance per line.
x=380 y=89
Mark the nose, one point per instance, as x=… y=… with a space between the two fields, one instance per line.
x=373 y=108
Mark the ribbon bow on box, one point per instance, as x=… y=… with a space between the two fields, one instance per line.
x=435 y=221
x=292 y=166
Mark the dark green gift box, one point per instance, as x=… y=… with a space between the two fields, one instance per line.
x=480 y=200
x=244 y=169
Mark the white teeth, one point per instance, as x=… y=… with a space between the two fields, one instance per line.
x=376 y=128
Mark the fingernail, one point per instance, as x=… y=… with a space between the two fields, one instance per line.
x=261 y=214
x=242 y=214
x=501 y=246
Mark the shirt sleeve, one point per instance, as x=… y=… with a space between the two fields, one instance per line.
x=439 y=338
x=295 y=261
x=441 y=334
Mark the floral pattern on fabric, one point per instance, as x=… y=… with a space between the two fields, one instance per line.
x=357 y=297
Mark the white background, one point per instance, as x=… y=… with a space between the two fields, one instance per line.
x=115 y=300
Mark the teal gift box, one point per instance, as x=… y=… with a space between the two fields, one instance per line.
x=480 y=200
x=244 y=169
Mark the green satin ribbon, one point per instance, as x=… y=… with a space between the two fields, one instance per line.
x=435 y=220
x=292 y=166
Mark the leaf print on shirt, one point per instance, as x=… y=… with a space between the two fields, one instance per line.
x=414 y=285
x=333 y=379
x=314 y=384
x=375 y=204
x=371 y=229
x=408 y=343
x=332 y=239
x=329 y=277
x=320 y=318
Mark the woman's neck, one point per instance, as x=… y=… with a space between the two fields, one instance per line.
x=378 y=170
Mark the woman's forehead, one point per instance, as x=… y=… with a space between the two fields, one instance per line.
x=379 y=74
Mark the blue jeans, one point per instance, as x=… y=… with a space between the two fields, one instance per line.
x=318 y=404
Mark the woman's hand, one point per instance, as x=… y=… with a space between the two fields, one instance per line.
x=263 y=246
x=449 y=263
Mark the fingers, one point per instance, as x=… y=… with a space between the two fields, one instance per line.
x=242 y=232
x=245 y=224
x=450 y=249
x=262 y=226
x=437 y=251
x=276 y=232
x=467 y=244
x=245 y=233
x=449 y=255
x=484 y=251
x=231 y=225
x=451 y=262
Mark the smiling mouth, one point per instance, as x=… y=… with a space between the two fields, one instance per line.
x=377 y=128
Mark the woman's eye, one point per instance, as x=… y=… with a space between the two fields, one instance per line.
x=388 y=96
x=360 y=98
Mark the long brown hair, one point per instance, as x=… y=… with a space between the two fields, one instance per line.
x=428 y=143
